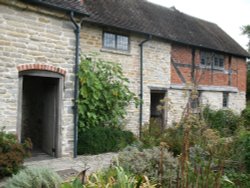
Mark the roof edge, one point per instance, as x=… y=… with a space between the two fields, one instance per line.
x=48 y=5
x=169 y=40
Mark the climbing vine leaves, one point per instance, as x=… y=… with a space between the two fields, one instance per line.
x=103 y=94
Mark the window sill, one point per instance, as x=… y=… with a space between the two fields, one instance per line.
x=210 y=68
x=127 y=53
x=218 y=69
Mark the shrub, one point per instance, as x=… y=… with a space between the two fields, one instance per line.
x=103 y=95
x=173 y=136
x=224 y=120
x=242 y=149
x=245 y=114
x=147 y=162
x=236 y=179
x=35 y=177
x=103 y=139
x=76 y=183
x=117 y=177
x=12 y=153
x=151 y=134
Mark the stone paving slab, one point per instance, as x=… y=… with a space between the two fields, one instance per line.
x=74 y=165
x=93 y=162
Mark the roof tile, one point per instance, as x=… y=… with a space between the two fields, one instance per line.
x=71 y=5
x=145 y=17
x=168 y=23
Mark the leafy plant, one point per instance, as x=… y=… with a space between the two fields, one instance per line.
x=236 y=180
x=245 y=114
x=224 y=120
x=103 y=95
x=206 y=167
x=35 y=177
x=242 y=148
x=12 y=153
x=151 y=134
x=103 y=139
x=172 y=136
x=74 y=184
x=157 y=163
x=117 y=177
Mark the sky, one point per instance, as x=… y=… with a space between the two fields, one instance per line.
x=229 y=15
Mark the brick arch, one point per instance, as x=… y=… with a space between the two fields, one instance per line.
x=41 y=67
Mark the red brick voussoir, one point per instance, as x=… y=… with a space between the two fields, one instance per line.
x=41 y=67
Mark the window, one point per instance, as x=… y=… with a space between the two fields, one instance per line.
x=212 y=60
x=225 y=99
x=115 y=41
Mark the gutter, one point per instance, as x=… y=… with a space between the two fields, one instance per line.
x=169 y=40
x=58 y=7
x=77 y=29
x=141 y=82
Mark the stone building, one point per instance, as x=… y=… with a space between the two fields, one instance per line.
x=161 y=51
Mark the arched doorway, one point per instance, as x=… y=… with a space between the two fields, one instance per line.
x=40 y=100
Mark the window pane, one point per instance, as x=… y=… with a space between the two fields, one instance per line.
x=216 y=62
x=122 y=42
x=109 y=40
x=221 y=62
x=208 y=60
x=203 y=59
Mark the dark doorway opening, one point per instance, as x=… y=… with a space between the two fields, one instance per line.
x=157 y=108
x=40 y=96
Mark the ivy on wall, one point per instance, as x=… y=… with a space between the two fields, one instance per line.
x=103 y=94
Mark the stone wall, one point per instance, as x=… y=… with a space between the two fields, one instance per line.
x=33 y=37
x=178 y=102
x=237 y=101
x=28 y=37
x=156 y=66
x=213 y=99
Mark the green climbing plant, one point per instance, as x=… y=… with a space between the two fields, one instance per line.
x=103 y=94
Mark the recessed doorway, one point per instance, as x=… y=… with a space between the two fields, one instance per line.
x=157 y=108
x=40 y=113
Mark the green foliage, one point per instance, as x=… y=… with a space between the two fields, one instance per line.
x=246 y=31
x=152 y=135
x=236 y=180
x=206 y=169
x=223 y=120
x=248 y=85
x=75 y=184
x=35 y=177
x=103 y=139
x=103 y=95
x=245 y=114
x=12 y=153
x=147 y=162
x=117 y=177
x=242 y=148
x=173 y=136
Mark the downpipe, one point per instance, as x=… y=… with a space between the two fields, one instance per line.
x=77 y=28
x=141 y=83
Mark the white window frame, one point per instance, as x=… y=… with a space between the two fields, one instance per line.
x=207 y=60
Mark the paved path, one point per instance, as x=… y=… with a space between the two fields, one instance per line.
x=93 y=162
x=69 y=167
